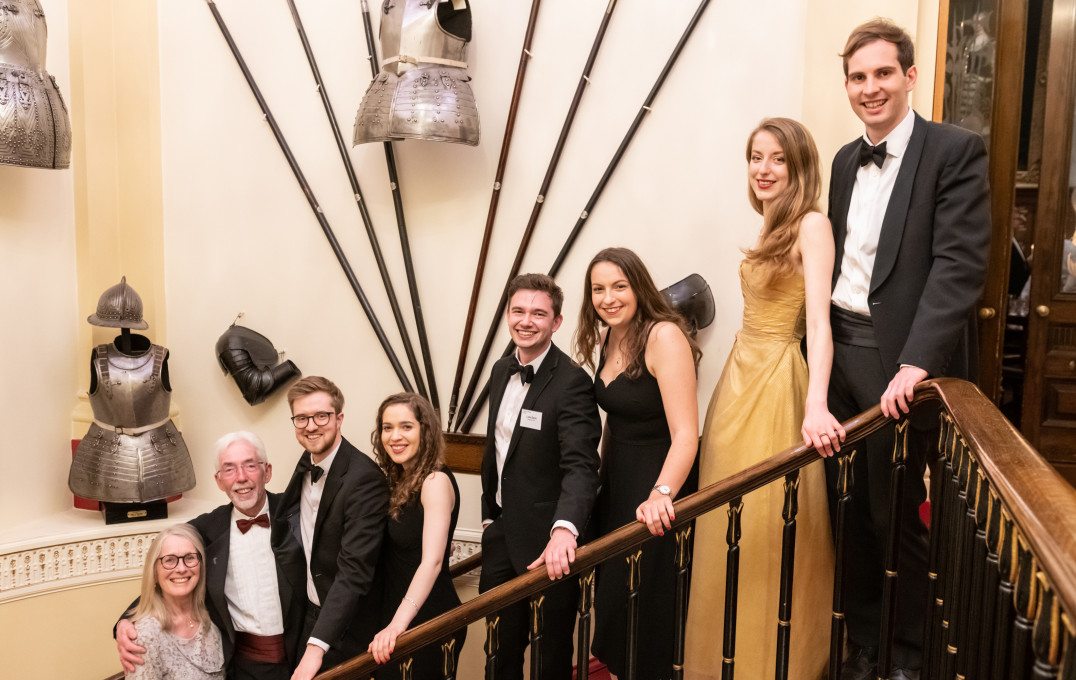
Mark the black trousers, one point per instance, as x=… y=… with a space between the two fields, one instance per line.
x=558 y=614
x=244 y=669
x=857 y=382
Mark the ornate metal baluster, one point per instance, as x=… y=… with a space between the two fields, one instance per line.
x=1068 y=661
x=732 y=579
x=683 y=586
x=973 y=601
x=632 y=629
x=586 y=601
x=493 y=645
x=992 y=528
x=845 y=481
x=1047 y=634
x=1005 y=614
x=448 y=659
x=405 y=669
x=940 y=475
x=788 y=562
x=537 y=625
x=1025 y=600
x=950 y=607
x=892 y=553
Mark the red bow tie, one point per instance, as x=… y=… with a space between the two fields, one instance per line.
x=245 y=524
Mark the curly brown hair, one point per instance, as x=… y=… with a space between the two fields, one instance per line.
x=652 y=308
x=406 y=483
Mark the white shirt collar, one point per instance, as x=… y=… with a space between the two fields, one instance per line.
x=238 y=514
x=537 y=363
x=896 y=142
x=327 y=462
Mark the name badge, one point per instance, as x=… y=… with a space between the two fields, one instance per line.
x=530 y=419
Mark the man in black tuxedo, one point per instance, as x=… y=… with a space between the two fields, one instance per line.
x=910 y=211
x=539 y=474
x=254 y=571
x=336 y=505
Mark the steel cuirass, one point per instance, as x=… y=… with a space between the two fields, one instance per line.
x=133 y=452
x=35 y=129
x=423 y=90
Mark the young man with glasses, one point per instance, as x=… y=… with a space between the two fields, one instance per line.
x=255 y=581
x=336 y=504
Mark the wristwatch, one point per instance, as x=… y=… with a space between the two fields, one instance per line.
x=663 y=489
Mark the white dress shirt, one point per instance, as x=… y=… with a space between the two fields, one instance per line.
x=309 y=501
x=866 y=210
x=250 y=585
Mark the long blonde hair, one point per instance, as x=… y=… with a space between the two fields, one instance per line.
x=781 y=222
x=151 y=602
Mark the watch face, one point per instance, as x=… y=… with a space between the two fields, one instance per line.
x=662 y=489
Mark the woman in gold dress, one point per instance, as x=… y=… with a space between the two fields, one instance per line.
x=766 y=401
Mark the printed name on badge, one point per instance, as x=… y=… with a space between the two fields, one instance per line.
x=531 y=419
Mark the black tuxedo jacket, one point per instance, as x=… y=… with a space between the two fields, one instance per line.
x=932 y=251
x=550 y=473
x=347 y=543
x=215 y=529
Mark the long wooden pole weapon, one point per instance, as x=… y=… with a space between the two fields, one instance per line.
x=401 y=224
x=401 y=326
x=584 y=79
x=468 y=421
x=311 y=199
x=521 y=72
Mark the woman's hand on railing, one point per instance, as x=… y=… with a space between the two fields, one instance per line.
x=384 y=643
x=656 y=512
x=822 y=431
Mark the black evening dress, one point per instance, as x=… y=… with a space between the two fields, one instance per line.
x=403 y=555
x=638 y=441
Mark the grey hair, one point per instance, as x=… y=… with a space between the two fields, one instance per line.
x=241 y=436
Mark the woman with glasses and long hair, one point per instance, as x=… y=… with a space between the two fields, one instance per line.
x=424 y=503
x=171 y=618
x=768 y=399
x=645 y=382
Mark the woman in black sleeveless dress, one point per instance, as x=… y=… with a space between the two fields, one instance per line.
x=423 y=508
x=645 y=382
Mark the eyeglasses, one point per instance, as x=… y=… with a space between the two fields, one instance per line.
x=250 y=467
x=320 y=418
x=170 y=562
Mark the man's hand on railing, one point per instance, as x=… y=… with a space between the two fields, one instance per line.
x=656 y=513
x=901 y=390
x=130 y=651
x=310 y=664
x=558 y=555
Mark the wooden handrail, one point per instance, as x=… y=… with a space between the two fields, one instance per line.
x=1042 y=504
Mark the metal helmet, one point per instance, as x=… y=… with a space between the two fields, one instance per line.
x=119 y=307
x=691 y=297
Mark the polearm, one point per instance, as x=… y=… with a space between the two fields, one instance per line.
x=357 y=193
x=521 y=72
x=468 y=421
x=401 y=224
x=308 y=192
x=528 y=232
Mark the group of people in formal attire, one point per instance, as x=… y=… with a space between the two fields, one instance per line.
x=355 y=551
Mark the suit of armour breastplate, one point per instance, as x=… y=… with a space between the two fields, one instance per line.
x=423 y=90
x=132 y=452
x=35 y=129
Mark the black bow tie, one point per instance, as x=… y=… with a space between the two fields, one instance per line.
x=244 y=524
x=315 y=472
x=526 y=373
x=868 y=153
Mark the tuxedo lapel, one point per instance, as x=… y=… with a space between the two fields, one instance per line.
x=541 y=380
x=498 y=381
x=278 y=539
x=843 y=180
x=896 y=213
x=216 y=555
x=333 y=483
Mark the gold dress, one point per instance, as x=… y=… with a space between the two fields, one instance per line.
x=756 y=411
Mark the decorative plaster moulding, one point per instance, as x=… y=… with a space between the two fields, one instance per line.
x=69 y=557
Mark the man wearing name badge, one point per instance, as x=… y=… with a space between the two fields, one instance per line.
x=255 y=590
x=336 y=505
x=909 y=204
x=539 y=474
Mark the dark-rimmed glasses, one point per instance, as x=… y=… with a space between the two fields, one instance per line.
x=320 y=418
x=170 y=562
